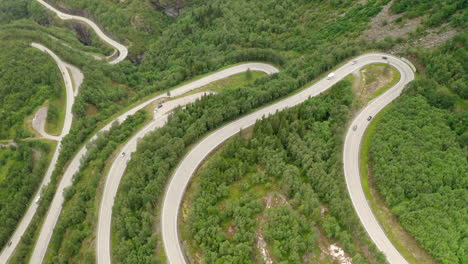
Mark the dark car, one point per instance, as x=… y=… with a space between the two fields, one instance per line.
x=159 y=105
x=354 y=127
x=369 y=118
x=384 y=57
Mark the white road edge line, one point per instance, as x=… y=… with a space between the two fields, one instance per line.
x=187 y=167
x=31 y=211
x=55 y=208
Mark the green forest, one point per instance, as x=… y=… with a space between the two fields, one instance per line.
x=295 y=155
x=21 y=96
x=418 y=154
x=174 y=41
x=22 y=168
x=80 y=210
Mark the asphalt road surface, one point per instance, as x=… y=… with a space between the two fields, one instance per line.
x=123 y=51
x=55 y=208
x=39 y=121
x=21 y=228
x=117 y=170
x=187 y=167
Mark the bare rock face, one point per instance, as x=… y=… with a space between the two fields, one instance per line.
x=172 y=8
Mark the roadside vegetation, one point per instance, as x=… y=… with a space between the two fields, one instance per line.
x=21 y=95
x=282 y=184
x=74 y=233
x=304 y=38
x=421 y=173
x=22 y=167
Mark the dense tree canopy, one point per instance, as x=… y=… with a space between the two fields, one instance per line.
x=20 y=95
x=294 y=153
x=305 y=38
x=418 y=154
x=21 y=170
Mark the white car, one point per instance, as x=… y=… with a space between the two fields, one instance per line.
x=37 y=199
x=354 y=62
x=331 y=75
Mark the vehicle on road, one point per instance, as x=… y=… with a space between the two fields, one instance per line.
x=160 y=105
x=369 y=118
x=9 y=243
x=354 y=62
x=123 y=154
x=384 y=57
x=37 y=199
x=330 y=76
x=354 y=127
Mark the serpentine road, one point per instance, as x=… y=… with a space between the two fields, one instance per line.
x=193 y=159
x=53 y=214
x=7 y=252
x=187 y=167
x=123 y=51
x=21 y=228
x=117 y=170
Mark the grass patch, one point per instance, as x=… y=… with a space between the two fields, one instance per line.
x=396 y=78
x=54 y=125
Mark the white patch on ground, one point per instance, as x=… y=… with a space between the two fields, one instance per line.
x=262 y=247
x=323 y=210
x=338 y=253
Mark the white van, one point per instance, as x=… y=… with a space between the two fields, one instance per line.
x=331 y=75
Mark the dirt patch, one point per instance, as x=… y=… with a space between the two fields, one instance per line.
x=231 y=230
x=91 y=109
x=371 y=78
x=387 y=24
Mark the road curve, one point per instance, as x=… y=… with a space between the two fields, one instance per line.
x=352 y=147
x=117 y=170
x=55 y=208
x=187 y=167
x=39 y=122
x=21 y=228
x=123 y=51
